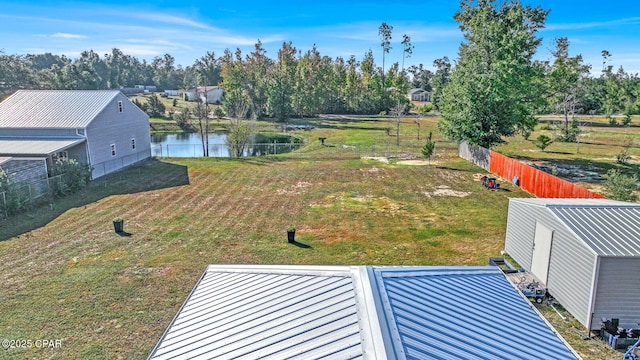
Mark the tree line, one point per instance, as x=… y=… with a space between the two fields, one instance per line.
x=294 y=83
x=493 y=89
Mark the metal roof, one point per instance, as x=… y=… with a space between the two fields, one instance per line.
x=251 y=313
x=608 y=227
x=463 y=313
x=607 y=230
x=49 y=109
x=310 y=312
x=40 y=147
x=550 y=202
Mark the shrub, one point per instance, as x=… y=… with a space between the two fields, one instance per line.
x=626 y=120
x=620 y=186
x=16 y=198
x=424 y=109
x=428 y=148
x=571 y=133
x=182 y=118
x=623 y=157
x=218 y=112
x=542 y=141
x=75 y=176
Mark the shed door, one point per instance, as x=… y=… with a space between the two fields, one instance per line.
x=541 y=252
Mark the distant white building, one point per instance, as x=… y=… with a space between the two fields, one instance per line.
x=171 y=92
x=210 y=94
x=101 y=128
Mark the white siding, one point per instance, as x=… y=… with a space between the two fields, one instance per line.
x=618 y=291
x=571 y=264
x=114 y=127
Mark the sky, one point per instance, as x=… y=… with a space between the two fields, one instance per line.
x=187 y=30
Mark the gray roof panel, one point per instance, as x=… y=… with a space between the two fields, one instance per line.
x=40 y=147
x=464 y=313
x=53 y=109
x=232 y=315
x=608 y=230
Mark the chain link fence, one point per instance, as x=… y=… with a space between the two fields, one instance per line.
x=25 y=196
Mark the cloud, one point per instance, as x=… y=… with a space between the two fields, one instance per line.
x=418 y=32
x=175 y=20
x=594 y=24
x=68 y=36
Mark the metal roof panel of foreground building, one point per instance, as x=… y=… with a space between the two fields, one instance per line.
x=351 y=312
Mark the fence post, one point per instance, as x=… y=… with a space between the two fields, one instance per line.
x=4 y=204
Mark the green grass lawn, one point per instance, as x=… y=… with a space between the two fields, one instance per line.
x=67 y=275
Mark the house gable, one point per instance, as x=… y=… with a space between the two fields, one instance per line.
x=53 y=109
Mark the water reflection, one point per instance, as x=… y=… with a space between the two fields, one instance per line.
x=190 y=145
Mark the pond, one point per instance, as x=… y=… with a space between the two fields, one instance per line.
x=190 y=145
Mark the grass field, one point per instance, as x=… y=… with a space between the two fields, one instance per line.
x=67 y=275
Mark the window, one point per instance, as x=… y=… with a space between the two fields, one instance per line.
x=60 y=156
x=120 y=107
x=133 y=144
x=113 y=149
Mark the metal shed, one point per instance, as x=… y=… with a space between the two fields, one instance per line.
x=358 y=312
x=586 y=251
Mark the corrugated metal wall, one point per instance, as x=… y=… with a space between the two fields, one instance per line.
x=536 y=181
x=617 y=291
x=571 y=263
x=476 y=154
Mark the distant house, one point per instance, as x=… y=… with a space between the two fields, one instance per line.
x=212 y=94
x=171 y=92
x=419 y=95
x=586 y=251
x=147 y=88
x=358 y=312
x=139 y=89
x=101 y=128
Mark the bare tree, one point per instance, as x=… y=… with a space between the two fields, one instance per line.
x=240 y=132
x=384 y=31
x=397 y=112
x=201 y=111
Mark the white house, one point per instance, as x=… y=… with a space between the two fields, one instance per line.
x=586 y=251
x=212 y=94
x=358 y=312
x=419 y=95
x=101 y=128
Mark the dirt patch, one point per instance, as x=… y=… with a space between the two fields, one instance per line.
x=443 y=190
x=381 y=204
x=417 y=162
x=373 y=170
x=570 y=172
x=376 y=158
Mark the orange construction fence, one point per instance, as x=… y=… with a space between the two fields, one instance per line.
x=535 y=181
